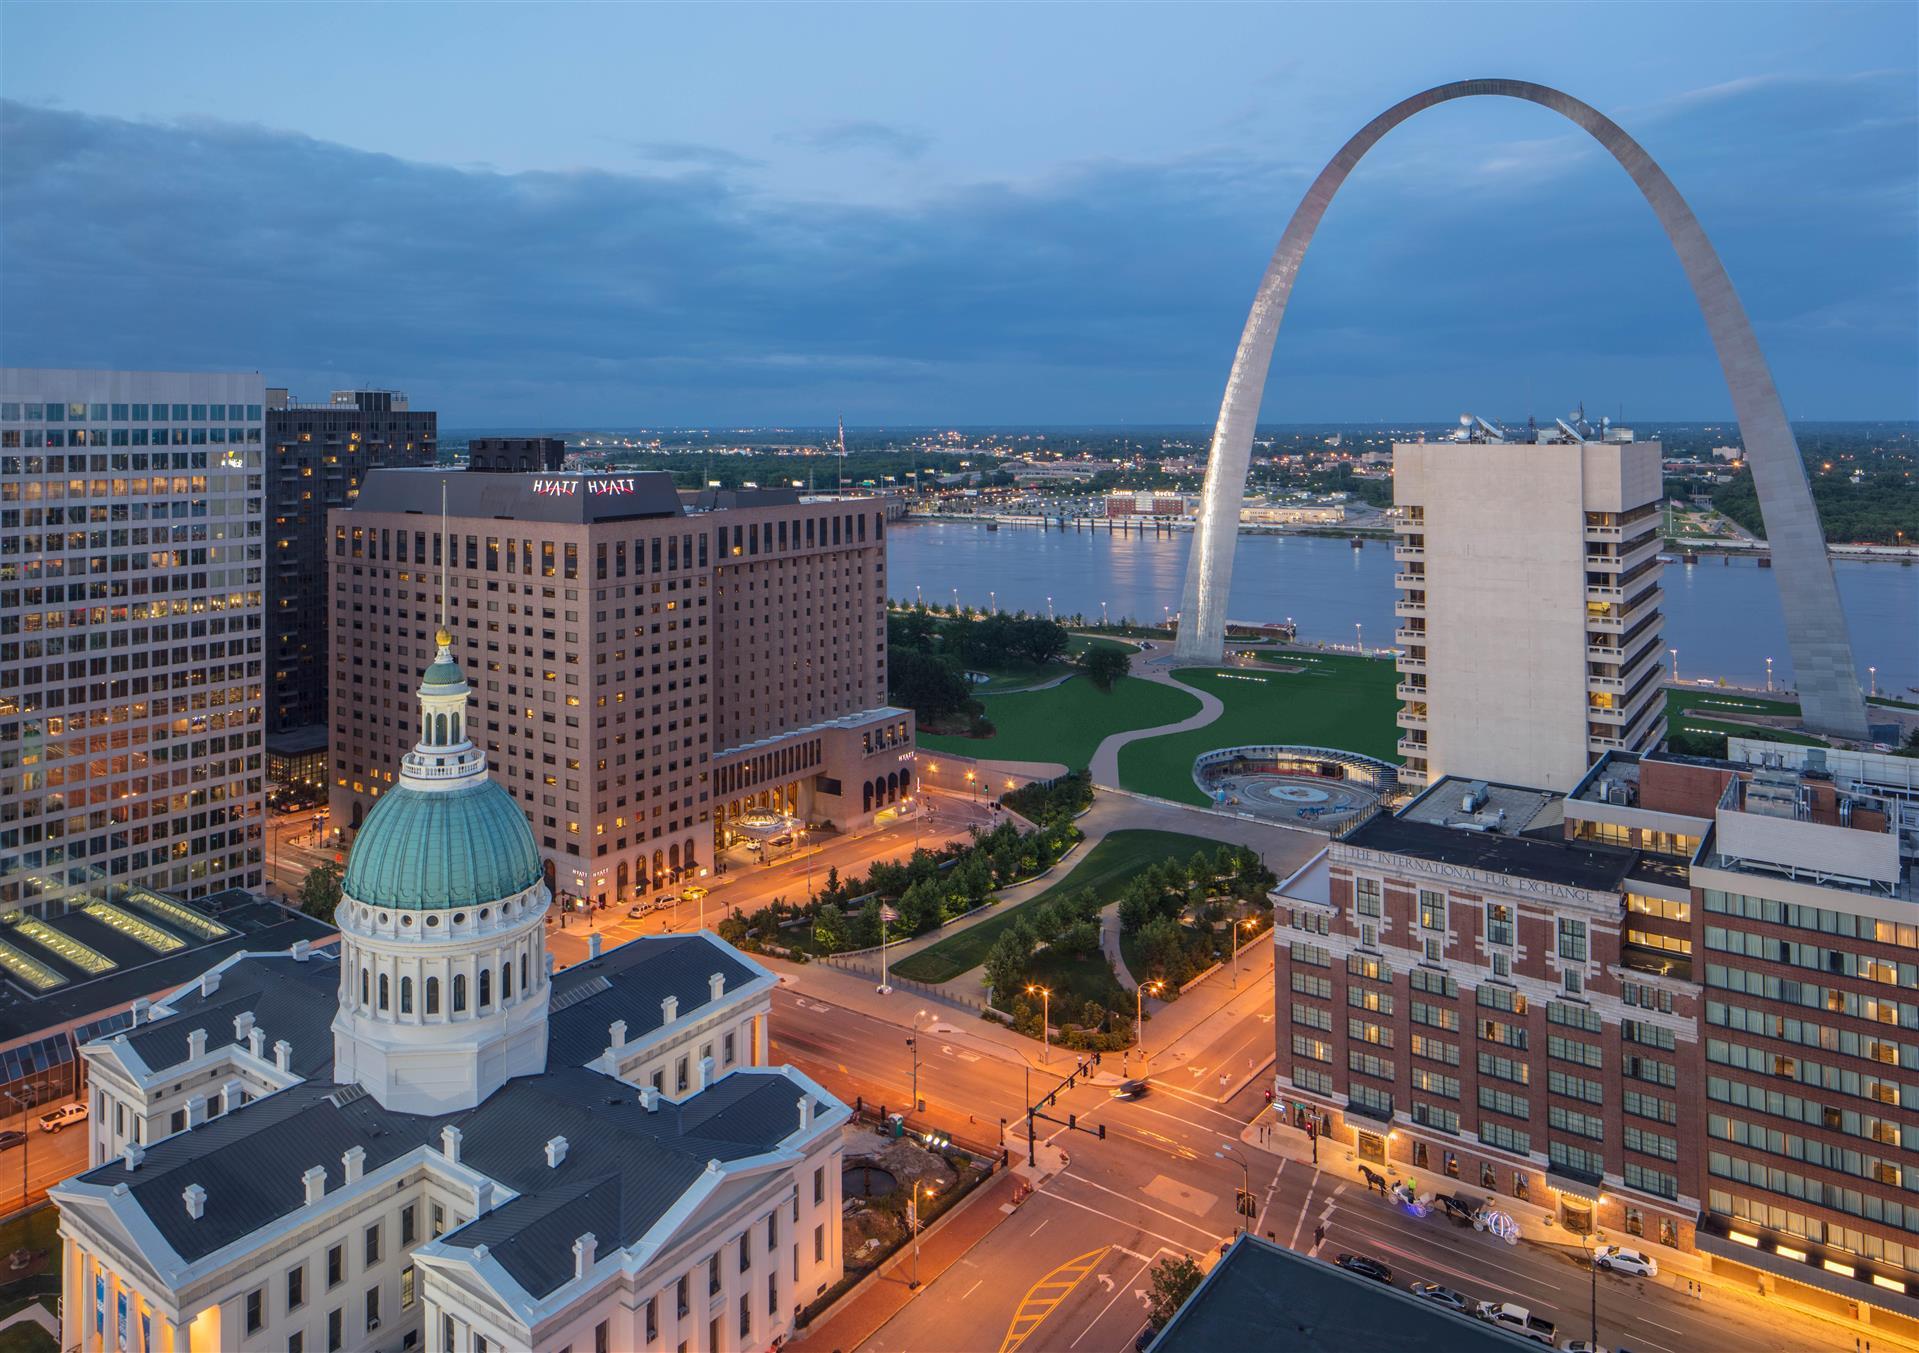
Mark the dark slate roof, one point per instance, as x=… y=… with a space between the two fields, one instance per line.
x=642 y=973
x=624 y=1168
x=1600 y=868
x=1262 y=1295
x=255 y=925
x=291 y=1000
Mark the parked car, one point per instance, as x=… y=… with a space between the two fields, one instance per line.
x=12 y=1137
x=76 y=1112
x=1517 y=1320
x=638 y=909
x=1619 y=1259
x=1135 y=1089
x=665 y=900
x=1580 y=1346
x=1365 y=1267
x=1440 y=1296
x=695 y=893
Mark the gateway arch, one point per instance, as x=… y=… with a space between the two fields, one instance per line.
x=1815 y=626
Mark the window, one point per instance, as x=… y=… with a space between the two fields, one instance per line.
x=459 y=993
x=297 y=1342
x=373 y=1244
x=433 y=995
x=712 y=1275
x=407 y=1287
x=296 y=1287
x=819 y=1185
x=373 y=1308
x=727 y=1045
x=1432 y=910
x=1572 y=939
x=1506 y=1138
x=1366 y=893
x=652 y=1321
x=680 y=1292
x=746 y=1315
x=746 y=1253
x=256 y=1309
x=1499 y=924
x=409 y=1225
x=335 y=1266
x=336 y=1330
x=439 y=1221
x=602 y=1334
x=819 y=1244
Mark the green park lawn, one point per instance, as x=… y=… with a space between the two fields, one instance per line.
x=1066 y=723
x=1338 y=701
x=1073 y=981
x=1691 y=711
x=1116 y=857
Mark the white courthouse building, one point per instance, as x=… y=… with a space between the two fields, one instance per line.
x=430 y=1141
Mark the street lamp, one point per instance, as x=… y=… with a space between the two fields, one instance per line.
x=25 y=1137
x=1675 y=663
x=1359 y=637
x=1592 y=1268
x=1768 y=676
x=1248 y=923
x=1045 y=1020
x=1102 y=614
x=913 y=1042
x=913 y=1209
x=1139 y=1017
x=1873 y=672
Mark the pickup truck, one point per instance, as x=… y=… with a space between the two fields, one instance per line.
x=1517 y=1320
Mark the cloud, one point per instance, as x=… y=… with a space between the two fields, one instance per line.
x=688 y=153
x=881 y=138
x=1112 y=290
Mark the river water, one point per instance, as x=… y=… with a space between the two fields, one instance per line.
x=1722 y=616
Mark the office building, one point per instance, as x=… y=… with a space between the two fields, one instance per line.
x=1671 y=1002
x=432 y=1140
x=1529 y=598
x=317 y=456
x=653 y=668
x=516 y=455
x=131 y=634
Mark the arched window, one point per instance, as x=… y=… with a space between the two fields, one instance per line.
x=506 y=981
x=433 y=995
x=384 y=999
x=439 y=730
x=406 y=995
x=459 y=993
x=522 y=970
x=866 y=798
x=486 y=987
x=456 y=728
x=366 y=987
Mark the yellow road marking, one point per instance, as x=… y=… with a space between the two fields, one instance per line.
x=1033 y=1308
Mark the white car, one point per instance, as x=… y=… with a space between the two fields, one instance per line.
x=75 y=1112
x=1517 y=1320
x=1619 y=1259
x=1580 y=1346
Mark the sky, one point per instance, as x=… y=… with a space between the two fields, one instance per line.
x=622 y=216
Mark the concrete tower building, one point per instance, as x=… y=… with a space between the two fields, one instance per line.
x=1529 y=622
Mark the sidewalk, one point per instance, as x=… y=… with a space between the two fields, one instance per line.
x=862 y=1314
x=1677 y=1268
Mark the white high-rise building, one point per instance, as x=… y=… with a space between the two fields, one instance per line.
x=1529 y=621
x=131 y=519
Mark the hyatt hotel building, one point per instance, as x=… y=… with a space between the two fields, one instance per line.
x=649 y=664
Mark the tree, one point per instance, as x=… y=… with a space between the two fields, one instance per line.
x=320 y=892
x=1106 y=665
x=928 y=685
x=829 y=930
x=1006 y=967
x=1174 y=1279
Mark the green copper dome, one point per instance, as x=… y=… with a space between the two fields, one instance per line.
x=443 y=674
x=421 y=850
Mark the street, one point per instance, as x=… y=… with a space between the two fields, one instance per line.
x=1066 y=1268
x=48 y=1158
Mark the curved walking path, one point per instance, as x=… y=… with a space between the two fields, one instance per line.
x=1105 y=762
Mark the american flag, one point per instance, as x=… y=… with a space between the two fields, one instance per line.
x=888 y=915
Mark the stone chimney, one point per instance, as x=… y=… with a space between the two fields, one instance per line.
x=584 y=1251
x=555 y=1152
x=616 y=1035
x=450 y=1144
x=650 y=1098
x=196 y=1201
x=283 y=1055
x=257 y=1042
x=716 y=986
x=483 y=1198
x=196 y=1044
x=353 y=1163
x=315 y=1181
x=706 y=1072
x=232 y=1095
x=209 y=982
x=133 y=1154
x=552 y=965
x=242 y=1026
x=143 y=1011
x=669 y=1009
x=196 y=1111
x=593 y=945
x=806 y=1112
x=300 y=950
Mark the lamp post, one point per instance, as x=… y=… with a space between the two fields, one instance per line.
x=1249 y=923
x=1768 y=676
x=1359 y=637
x=913 y=1042
x=913 y=1208
x=1139 y=1017
x=1592 y=1272
x=1675 y=663
x=1873 y=673
x=992 y=602
x=1045 y=1021
x=20 y=1102
x=1102 y=615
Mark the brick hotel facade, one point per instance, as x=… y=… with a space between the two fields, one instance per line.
x=131 y=643
x=648 y=665
x=1670 y=1003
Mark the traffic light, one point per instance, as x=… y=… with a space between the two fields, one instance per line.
x=1095 y=1059
x=1072 y=1120
x=1102 y=1132
x=1244 y=1202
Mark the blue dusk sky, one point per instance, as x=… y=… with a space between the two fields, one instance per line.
x=601 y=215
